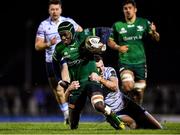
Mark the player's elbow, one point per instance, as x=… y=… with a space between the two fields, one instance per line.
x=37 y=48
x=80 y=29
x=114 y=87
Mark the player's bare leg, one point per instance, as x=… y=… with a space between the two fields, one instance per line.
x=60 y=97
x=155 y=124
x=97 y=101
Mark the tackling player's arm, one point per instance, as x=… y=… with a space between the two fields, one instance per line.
x=111 y=84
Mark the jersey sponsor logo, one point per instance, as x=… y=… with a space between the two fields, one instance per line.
x=123 y=30
x=132 y=38
x=65 y=54
x=140 y=28
x=75 y=62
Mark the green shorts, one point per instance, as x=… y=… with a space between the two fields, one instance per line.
x=139 y=70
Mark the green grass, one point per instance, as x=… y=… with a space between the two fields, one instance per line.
x=84 y=128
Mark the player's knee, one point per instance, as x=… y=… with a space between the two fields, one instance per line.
x=98 y=102
x=127 y=86
x=127 y=79
x=140 y=86
x=131 y=123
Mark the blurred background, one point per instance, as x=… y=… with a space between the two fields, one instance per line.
x=24 y=89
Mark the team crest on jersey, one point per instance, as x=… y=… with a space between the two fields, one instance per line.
x=123 y=30
x=86 y=31
x=140 y=28
x=65 y=53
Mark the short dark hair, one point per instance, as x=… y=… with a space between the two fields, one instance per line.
x=55 y=2
x=97 y=57
x=129 y=2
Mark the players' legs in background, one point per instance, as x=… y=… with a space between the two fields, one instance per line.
x=57 y=90
x=138 y=91
x=134 y=89
x=60 y=97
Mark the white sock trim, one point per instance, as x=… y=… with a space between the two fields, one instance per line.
x=107 y=110
x=64 y=106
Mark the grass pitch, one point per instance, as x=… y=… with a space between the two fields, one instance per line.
x=84 y=128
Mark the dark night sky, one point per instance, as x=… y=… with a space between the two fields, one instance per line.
x=20 y=20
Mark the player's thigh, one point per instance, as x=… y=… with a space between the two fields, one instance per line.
x=140 y=71
x=127 y=79
x=51 y=76
x=93 y=88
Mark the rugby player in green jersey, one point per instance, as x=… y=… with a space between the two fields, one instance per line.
x=72 y=51
x=133 y=115
x=46 y=39
x=127 y=39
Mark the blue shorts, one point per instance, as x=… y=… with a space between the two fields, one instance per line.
x=49 y=69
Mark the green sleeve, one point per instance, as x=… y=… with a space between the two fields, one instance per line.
x=57 y=52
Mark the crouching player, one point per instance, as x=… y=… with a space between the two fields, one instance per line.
x=127 y=110
x=72 y=50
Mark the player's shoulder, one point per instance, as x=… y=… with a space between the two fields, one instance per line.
x=142 y=19
x=120 y=22
x=60 y=46
x=109 y=69
x=45 y=21
x=63 y=18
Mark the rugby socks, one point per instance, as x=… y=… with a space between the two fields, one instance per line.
x=65 y=110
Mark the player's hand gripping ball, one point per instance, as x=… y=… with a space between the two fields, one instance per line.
x=94 y=45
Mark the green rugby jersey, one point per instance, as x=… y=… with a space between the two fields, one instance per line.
x=70 y=52
x=131 y=35
x=80 y=64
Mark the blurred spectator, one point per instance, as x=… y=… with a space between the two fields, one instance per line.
x=40 y=98
x=24 y=99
